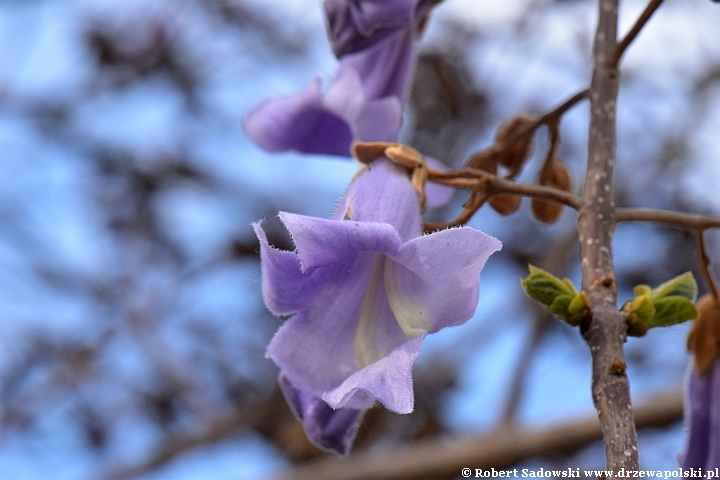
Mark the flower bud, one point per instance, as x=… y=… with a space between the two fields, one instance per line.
x=704 y=337
x=485 y=160
x=520 y=131
x=505 y=204
x=554 y=174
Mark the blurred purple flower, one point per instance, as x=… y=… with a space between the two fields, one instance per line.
x=326 y=427
x=363 y=102
x=363 y=290
x=355 y=25
x=703 y=418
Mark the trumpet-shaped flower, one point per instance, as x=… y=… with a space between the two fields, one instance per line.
x=702 y=406
x=362 y=291
x=363 y=102
x=355 y=25
x=703 y=419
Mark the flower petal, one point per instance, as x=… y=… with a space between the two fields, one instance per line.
x=713 y=459
x=356 y=25
x=386 y=69
x=369 y=119
x=382 y=211
x=383 y=193
x=328 y=428
x=320 y=241
x=697 y=415
x=311 y=122
x=315 y=347
x=433 y=282
x=299 y=122
x=284 y=286
x=389 y=380
x=379 y=120
x=345 y=97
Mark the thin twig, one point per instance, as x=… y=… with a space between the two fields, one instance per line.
x=494 y=185
x=475 y=178
x=553 y=140
x=476 y=202
x=635 y=30
x=552 y=116
x=470 y=178
x=704 y=261
x=688 y=221
x=555 y=114
x=485 y=185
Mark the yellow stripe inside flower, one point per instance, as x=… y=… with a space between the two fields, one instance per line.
x=384 y=284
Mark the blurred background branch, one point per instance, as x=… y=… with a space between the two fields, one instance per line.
x=500 y=449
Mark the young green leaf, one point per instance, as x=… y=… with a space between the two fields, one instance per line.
x=544 y=287
x=560 y=305
x=559 y=296
x=671 y=311
x=683 y=286
x=579 y=304
x=671 y=303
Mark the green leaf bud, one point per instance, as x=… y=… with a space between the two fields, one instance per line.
x=671 y=303
x=543 y=286
x=642 y=307
x=559 y=296
x=642 y=290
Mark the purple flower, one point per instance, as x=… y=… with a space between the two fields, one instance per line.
x=363 y=102
x=702 y=403
x=703 y=417
x=355 y=25
x=362 y=291
x=326 y=427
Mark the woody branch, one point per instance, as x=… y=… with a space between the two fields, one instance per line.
x=606 y=331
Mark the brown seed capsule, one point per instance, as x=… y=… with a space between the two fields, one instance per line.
x=519 y=131
x=554 y=174
x=704 y=337
x=558 y=175
x=486 y=160
x=505 y=204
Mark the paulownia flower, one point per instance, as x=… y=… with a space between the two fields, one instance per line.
x=355 y=25
x=362 y=290
x=363 y=102
x=703 y=419
x=702 y=406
